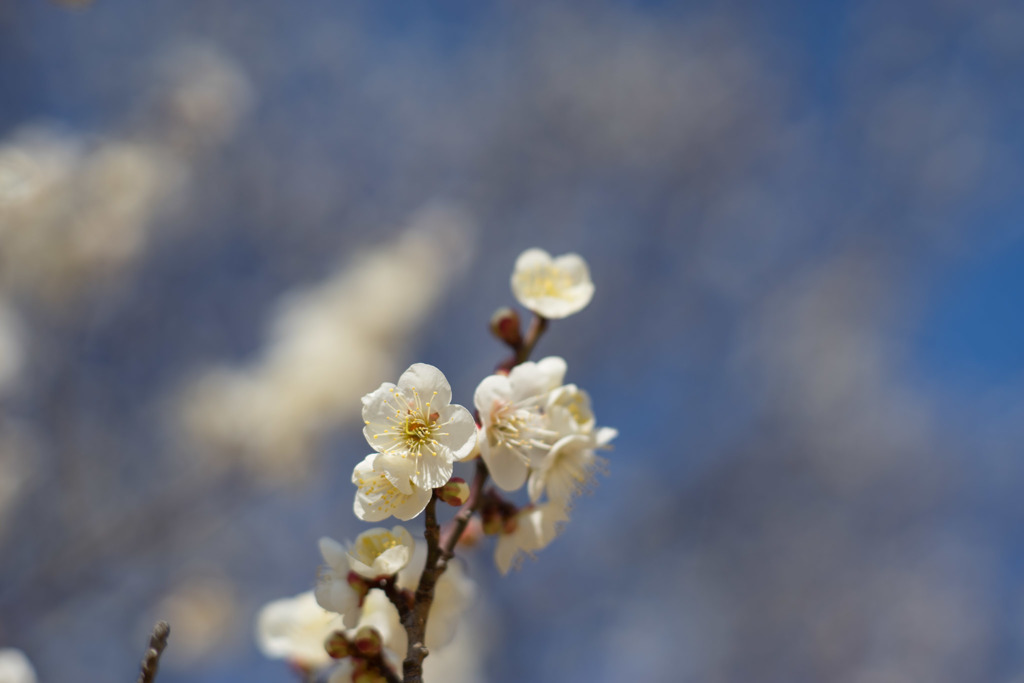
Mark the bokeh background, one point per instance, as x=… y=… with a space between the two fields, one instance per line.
x=221 y=223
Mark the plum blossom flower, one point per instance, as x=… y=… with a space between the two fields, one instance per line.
x=552 y=287
x=535 y=528
x=568 y=466
x=416 y=430
x=333 y=591
x=378 y=552
x=514 y=430
x=377 y=498
x=295 y=629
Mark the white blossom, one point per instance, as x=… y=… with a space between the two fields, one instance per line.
x=568 y=466
x=552 y=287
x=295 y=629
x=378 y=552
x=535 y=528
x=333 y=591
x=417 y=431
x=514 y=430
x=15 y=667
x=377 y=498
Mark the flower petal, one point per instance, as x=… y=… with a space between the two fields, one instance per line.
x=424 y=380
x=506 y=467
x=461 y=429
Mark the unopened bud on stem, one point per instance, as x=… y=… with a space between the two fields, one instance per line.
x=337 y=645
x=368 y=641
x=505 y=326
x=455 y=492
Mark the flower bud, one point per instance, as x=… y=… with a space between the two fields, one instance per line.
x=337 y=645
x=368 y=641
x=506 y=327
x=455 y=492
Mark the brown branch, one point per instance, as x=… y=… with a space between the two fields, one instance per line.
x=537 y=328
x=401 y=599
x=461 y=520
x=416 y=620
x=151 y=660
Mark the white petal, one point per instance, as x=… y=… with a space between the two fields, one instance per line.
x=413 y=504
x=434 y=471
x=452 y=595
x=531 y=259
x=424 y=380
x=461 y=428
x=334 y=554
x=399 y=469
x=507 y=469
x=605 y=435
x=294 y=628
x=390 y=561
x=505 y=553
x=574 y=266
x=531 y=379
x=494 y=390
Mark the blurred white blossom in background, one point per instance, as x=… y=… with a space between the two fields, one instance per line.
x=15 y=667
x=328 y=344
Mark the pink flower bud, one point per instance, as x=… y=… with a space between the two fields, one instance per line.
x=337 y=645
x=455 y=492
x=505 y=326
x=368 y=641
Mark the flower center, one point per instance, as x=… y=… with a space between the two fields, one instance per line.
x=417 y=430
x=548 y=281
x=374 y=546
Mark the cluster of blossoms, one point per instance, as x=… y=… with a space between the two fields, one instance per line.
x=385 y=600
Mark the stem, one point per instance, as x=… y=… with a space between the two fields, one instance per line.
x=461 y=520
x=416 y=620
x=537 y=328
x=151 y=660
x=401 y=599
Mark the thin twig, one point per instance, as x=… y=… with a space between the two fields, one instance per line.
x=416 y=620
x=151 y=660
x=461 y=520
x=537 y=328
x=401 y=599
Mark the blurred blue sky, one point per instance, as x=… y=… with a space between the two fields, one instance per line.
x=806 y=228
